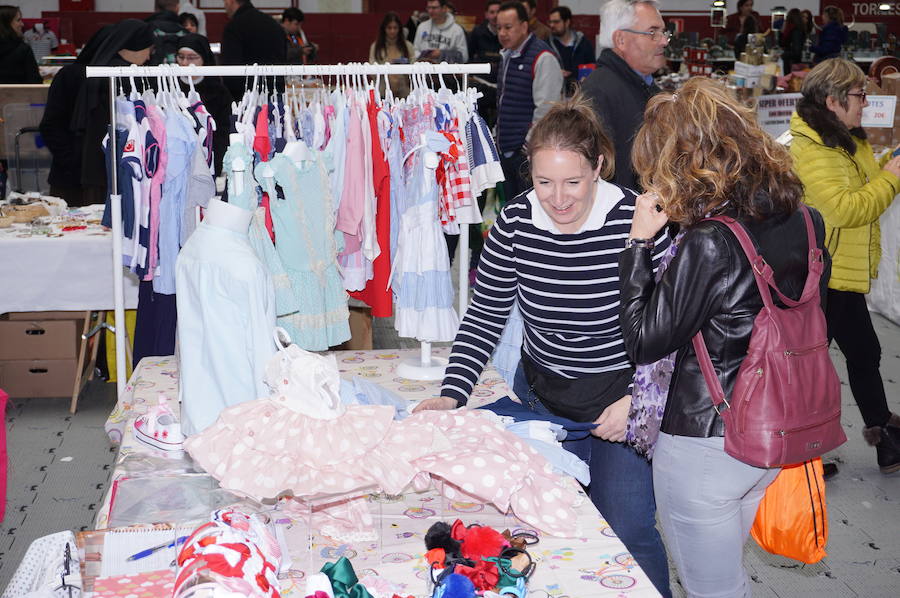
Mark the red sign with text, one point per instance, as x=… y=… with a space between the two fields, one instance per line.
x=869 y=12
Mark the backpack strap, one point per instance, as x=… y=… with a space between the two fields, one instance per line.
x=716 y=392
x=763 y=273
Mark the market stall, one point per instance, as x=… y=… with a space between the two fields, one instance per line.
x=593 y=564
x=379 y=479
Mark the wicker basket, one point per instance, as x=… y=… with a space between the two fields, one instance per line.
x=6 y=221
x=29 y=212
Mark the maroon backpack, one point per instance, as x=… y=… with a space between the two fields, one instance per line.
x=786 y=403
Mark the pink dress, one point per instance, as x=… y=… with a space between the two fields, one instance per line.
x=158 y=128
x=302 y=442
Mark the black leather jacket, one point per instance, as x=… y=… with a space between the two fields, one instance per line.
x=708 y=286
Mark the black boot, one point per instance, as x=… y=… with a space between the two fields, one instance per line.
x=886 y=440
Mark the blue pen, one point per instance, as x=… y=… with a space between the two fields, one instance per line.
x=149 y=551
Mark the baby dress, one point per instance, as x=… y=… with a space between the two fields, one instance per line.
x=306 y=247
x=302 y=441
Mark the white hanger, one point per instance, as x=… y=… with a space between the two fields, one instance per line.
x=288 y=117
x=441 y=75
x=424 y=83
x=378 y=81
x=180 y=98
x=162 y=95
x=238 y=165
x=134 y=93
x=193 y=96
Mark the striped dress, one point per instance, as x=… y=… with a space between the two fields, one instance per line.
x=567 y=287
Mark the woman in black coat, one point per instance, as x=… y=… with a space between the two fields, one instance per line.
x=17 y=63
x=64 y=146
x=700 y=152
x=128 y=42
x=194 y=49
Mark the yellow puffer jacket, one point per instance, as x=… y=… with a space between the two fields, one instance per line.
x=851 y=192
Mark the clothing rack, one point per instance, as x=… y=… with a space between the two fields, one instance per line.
x=427 y=363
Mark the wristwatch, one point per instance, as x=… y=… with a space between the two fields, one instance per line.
x=639 y=243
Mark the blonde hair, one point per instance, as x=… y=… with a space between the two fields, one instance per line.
x=700 y=149
x=573 y=125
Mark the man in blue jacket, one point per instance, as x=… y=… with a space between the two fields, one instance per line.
x=529 y=81
x=572 y=46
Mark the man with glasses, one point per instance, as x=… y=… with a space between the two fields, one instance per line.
x=633 y=38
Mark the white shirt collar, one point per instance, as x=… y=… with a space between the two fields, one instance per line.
x=605 y=199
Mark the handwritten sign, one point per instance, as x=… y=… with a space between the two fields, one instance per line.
x=880 y=112
x=773 y=112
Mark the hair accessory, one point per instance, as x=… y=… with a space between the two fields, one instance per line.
x=487 y=559
x=674 y=96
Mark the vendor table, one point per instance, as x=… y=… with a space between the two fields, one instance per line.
x=594 y=565
x=49 y=269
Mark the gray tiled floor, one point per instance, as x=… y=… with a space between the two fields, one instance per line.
x=59 y=466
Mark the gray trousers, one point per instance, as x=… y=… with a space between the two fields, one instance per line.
x=706 y=501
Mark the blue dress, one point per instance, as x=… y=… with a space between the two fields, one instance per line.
x=303 y=223
x=285 y=299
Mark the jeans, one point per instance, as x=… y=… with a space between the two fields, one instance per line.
x=707 y=502
x=622 y=490
x=850 y=325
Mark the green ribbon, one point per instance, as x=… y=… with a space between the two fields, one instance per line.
x=503 y=566
x=344 y=581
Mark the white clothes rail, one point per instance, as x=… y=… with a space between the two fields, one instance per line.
x=124 y=72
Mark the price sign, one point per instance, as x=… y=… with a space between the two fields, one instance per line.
x=879 y=113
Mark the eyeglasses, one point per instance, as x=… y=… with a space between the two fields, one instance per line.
x=653 y=34
x=861 y=95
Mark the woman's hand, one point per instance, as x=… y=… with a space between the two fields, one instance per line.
x=893 y=166
x=612 y=421
x=648 y=218
x=436 y=404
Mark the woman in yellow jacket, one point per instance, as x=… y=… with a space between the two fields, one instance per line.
x=851 y=189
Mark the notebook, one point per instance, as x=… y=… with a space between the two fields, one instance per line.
x=152 y=584
x=133 y=551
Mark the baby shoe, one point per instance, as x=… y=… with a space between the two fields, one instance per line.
x=159 y=428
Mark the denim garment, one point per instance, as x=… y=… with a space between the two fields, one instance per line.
x=622 y=490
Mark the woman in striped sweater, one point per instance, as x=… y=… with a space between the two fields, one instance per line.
x=554 y=252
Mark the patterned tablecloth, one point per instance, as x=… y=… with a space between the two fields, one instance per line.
x=594 y=565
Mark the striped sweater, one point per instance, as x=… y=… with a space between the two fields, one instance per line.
x=567 y=286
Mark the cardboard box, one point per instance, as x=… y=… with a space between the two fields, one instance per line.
x=41 y=339
x=881 y=137
x=360 y=330
x=31 y=316
x=38 y=378
x=890 y=84
x=742 y=69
